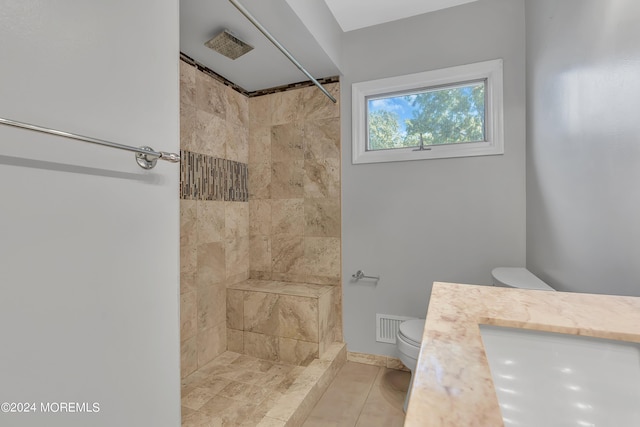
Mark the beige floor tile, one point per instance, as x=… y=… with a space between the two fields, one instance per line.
x=199 y=419
x=245 y=376
x=214 y=384
x=358 y=372
x=218 y=405
x=237 y=390
x=346 y=396
x=363 y=396
x=197 y=397
x=244 y=392
x=383 y=407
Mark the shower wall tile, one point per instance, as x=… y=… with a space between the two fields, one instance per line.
x=287 y=253
x=260 y=217
x=187 y=280
x=298 y=318
x=187 y=126
x=260 y=111
x=322 y=139
x=315 y=104
x=211 y=306
x=287 y=179
x=211 y=96
x=237 y=146
x=211 y=264
x=240 y=277
x=211 y=343
x=322 y=256
x=322 y=178
x=285 y=107
x=294 y=156
x=297 y=352
x=235 y=309
x=260 y=181
x=211 y=135
x=336 y=314
x=235 y=340
x=287 y=216
x=287 y=143
x=259 y=144
x=261 y=312
x=322 y=217
x=188 y=224
x=214 y=240
x=188 y=356
x=260 y=253
x=282 y=321
x=187 y=84
x=188 y=261
x=188 y=315
x=326 y=320
x=236 y=258
x=295 y=277
x=260 y=345
x=210 y=221
x=236 y=220
x=237 y=111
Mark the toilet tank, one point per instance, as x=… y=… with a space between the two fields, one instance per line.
x=518 y=277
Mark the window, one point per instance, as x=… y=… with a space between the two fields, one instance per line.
x=451 y=112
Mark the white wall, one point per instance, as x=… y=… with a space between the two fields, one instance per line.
x=583 y=152
x=88 y=240
x=417 y=222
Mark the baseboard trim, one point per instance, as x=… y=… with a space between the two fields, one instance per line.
x=376 y=360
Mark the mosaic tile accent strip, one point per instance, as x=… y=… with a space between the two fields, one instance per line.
x=204 y=177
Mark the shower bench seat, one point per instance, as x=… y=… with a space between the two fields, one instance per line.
x=282 y=321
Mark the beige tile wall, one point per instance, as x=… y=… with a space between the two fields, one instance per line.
x=281 y=321
x=294 y=186
x=289 y=230
x=214 y=235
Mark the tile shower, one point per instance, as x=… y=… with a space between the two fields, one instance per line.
x=260 y=242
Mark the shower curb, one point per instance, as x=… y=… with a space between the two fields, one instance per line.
x=295 y=405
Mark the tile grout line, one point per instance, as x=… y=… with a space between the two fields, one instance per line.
x=373 y=383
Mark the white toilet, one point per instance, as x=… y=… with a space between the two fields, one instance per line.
x=408 y=341
x=409 y=336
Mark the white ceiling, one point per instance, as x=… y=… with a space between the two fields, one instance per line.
x=264 y=67
x=311 y=30
x=355 y=14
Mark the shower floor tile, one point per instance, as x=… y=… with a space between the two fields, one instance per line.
x=234 y=390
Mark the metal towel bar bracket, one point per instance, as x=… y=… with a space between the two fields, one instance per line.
x=360 y=275
x=146 y=157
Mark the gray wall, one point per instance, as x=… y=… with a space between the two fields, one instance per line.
x=88 y=240
x=417 y=222
x=583 y=148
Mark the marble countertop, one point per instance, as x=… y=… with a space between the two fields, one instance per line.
x=453 y=385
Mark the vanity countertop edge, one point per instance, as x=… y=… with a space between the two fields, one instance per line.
x=452 y=384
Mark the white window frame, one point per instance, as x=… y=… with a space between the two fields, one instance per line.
x=494 y=134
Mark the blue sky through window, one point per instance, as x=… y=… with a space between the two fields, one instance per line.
x=399 y=105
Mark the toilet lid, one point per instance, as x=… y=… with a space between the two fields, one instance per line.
x=518 y=277
x=412 y=330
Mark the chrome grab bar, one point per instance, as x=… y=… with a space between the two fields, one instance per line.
x=360 y=275
x=146 y=157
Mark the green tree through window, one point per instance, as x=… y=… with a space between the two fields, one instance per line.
x=441 y=116
x=384 y=130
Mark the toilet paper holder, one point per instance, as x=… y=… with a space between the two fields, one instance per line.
x=360 y=275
